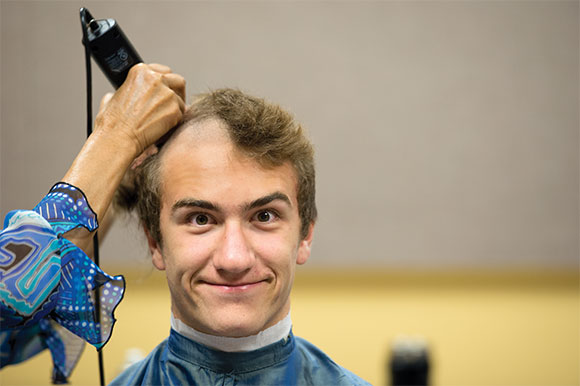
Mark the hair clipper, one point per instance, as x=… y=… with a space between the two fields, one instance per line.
x=109 y=46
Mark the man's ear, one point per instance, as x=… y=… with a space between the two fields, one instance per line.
x=305 y=245
x=155 y=249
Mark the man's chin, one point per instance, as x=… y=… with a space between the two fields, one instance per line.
x=232 y=320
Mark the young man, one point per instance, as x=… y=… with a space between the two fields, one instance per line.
x=228 y=207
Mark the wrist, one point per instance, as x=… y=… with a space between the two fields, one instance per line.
x=113 y=130
x=116 y=143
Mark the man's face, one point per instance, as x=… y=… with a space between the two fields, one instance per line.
x=230 y=234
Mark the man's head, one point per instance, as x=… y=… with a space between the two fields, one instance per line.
x=228 y=205
x=260 y=130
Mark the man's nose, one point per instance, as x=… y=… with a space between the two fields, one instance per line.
x=234 y=254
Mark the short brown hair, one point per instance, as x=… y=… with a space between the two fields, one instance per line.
x=260 y=130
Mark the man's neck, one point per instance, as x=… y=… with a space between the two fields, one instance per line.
x=273 y=334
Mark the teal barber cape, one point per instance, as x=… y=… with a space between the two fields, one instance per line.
x=292 y=361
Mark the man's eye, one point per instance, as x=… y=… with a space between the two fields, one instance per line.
x=265 y=216
x=200 y=219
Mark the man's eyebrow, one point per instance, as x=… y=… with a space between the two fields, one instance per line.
x=203 y=204
x=268 y=199
x=194 y=203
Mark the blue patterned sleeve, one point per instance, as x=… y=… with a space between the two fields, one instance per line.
x=48 y=285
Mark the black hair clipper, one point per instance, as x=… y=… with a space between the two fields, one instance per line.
x=109 y=46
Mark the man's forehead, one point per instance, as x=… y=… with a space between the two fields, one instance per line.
x=193 y=138
x=206 y=144
x=208 y=129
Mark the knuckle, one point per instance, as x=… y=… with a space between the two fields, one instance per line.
x=139 y=67
x=175 y=113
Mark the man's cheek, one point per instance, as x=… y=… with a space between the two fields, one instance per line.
x=273 y=246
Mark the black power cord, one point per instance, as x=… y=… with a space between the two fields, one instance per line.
x=89 y=86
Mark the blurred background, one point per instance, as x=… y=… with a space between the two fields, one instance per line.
x=447 y=139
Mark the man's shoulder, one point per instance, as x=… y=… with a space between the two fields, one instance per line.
x=141 y=372
x=320 y=367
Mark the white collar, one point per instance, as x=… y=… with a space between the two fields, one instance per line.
x=277 y=332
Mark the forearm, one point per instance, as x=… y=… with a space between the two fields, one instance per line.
x=99 y=169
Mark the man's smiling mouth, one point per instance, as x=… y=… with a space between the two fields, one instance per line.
x=239 y=287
